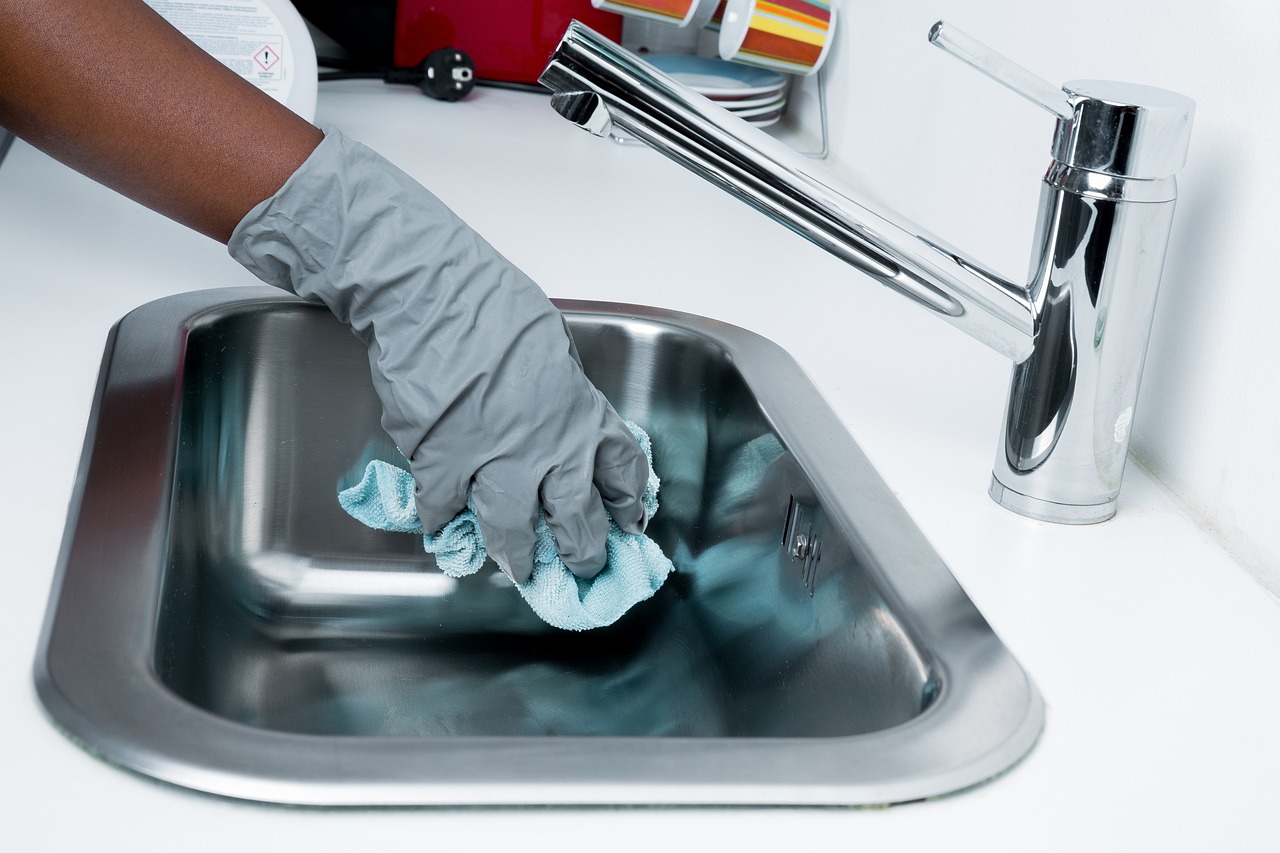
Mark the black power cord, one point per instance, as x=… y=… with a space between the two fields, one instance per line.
x=447 y=74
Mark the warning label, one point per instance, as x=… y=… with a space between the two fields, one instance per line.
x=244 y=35
x=266 y=57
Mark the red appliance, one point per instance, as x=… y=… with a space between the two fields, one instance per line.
x=507 y=40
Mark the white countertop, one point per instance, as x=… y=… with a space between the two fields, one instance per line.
x=1157 y=656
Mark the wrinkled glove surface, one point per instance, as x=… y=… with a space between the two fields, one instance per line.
x=479 y=381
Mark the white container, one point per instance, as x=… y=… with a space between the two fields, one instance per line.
x=264 y=41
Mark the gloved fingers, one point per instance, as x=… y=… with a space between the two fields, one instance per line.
x=439 y=494
x=576 y=516
x=508 y=516
x=620 y=476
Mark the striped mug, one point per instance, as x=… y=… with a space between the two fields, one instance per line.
x=792 y=36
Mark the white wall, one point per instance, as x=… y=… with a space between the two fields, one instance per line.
x=963 y=157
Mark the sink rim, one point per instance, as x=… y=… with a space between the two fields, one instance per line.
x=986 y=716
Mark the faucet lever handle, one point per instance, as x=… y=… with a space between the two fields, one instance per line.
x=1003 y=70
x=1122 y=130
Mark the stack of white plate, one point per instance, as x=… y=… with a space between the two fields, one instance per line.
x=757 y=95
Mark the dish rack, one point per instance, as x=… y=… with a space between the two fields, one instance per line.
x=803 y=125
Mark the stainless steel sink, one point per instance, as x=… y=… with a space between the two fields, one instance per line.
x=219 y=623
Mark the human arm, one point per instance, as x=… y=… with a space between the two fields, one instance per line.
x=115 y=92
x=476 y=372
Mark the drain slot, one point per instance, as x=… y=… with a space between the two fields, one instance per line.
x=801 y=541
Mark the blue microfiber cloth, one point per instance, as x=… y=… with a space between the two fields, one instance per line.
x=634 y=567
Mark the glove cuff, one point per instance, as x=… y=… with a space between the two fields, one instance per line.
x=336 y=231
x=271 y=241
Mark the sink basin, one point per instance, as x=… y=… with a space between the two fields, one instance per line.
x=218 y=622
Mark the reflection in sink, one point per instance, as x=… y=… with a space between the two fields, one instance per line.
x=258 y=642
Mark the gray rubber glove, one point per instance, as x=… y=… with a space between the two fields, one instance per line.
x=478 y=378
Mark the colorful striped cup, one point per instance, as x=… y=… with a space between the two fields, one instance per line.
x=787 y=35
x=677 y=13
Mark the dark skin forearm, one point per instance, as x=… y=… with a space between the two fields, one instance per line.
x=113 y=91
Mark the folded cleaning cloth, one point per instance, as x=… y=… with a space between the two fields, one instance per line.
x=634 y=567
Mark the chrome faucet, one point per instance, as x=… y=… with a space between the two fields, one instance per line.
x=1077 y=331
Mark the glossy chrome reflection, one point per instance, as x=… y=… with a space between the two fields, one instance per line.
x=1077 y=332
x=218 y=622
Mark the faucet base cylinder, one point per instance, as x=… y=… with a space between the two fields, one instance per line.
x=1042 y=510
x=1069 y=417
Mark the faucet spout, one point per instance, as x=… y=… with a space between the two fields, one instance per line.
x=1076 y=332
x=585 y=109
x=785 y=186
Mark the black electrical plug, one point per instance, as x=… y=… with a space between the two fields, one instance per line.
x=447 y=74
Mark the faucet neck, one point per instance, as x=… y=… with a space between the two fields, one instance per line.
x=600 y=86
x=1077 y=334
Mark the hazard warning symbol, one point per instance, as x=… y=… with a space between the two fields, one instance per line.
x=266 y=57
